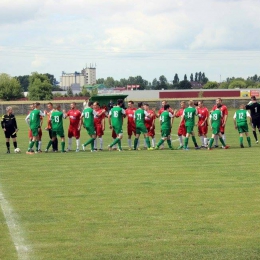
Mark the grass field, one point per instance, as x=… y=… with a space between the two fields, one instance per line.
x=132 y=204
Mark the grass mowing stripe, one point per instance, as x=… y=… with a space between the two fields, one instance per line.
x=14 y=228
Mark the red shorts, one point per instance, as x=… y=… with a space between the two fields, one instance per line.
x=31 y=136
x=222 y=129
x=182 y=130
x=114 y=135
x=99 y=131
x=131 y=129
x=151 y=132
x=203 y=130
x=73 y=132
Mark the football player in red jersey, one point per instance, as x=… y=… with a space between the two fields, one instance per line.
x=74 y=115
x=99 y=124
x=150 y=124
x=130 y=111
x=224 y=111
x=203 y=115
x=182 y=129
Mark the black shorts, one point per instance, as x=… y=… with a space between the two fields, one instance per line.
x=256 y=122
x=10 y=133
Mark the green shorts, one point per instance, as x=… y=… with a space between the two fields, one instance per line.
x=59 y=133
x=141 y=129
x=189 y=129
x=118 y=130
x=166 y=132
x=35 y=131
x=242 y=128
x=91 y=130
x=215 y=130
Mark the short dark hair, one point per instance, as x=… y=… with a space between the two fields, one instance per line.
x=167 y=106
x=253 y=98
x=49 y=103
x=140 y=104
x=120 y=101
x=131 y=101
x=90 y=103
x=146 y=104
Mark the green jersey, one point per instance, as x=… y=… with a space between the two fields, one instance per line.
x=88 y=115
x=189 y=116
x=57 y=121
x=241 y=116
x=165 y=119
x=35 y=118
x=139 y=116
x=116 y=114
x=215 y=118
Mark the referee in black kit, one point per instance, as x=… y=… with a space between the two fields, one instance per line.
x=254 y=108
x=9 y=127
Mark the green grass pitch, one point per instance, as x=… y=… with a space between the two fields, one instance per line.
x=132 y=204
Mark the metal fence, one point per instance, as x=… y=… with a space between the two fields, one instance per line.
x=23 y=109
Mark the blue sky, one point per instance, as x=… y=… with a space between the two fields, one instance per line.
x=129 y=38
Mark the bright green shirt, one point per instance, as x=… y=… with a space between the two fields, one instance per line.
x=139 y=116
x=215 y=118
x=165 y=119
x=189 y=116
x=35 y=118
x=88 y=117
x=241 y=116
x=116 y=114
x=57 y=120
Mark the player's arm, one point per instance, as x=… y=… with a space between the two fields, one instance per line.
x=182 y=118
x=235 y=121
x=103 y=123
x=15 y=124
x=109 y=120
x=225 y=116
x=3 y=123
x=65 y=114
x=172 y=118
x=249 y=116
x=81 y=121
x=210 y=121
x=27 y=119
x=42 y=113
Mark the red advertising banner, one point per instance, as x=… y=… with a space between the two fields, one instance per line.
x=254 y=93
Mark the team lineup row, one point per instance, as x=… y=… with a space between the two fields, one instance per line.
x=140 y=120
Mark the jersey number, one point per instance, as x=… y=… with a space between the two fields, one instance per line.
x=56 y=119
x=215 y=117
x=87 y=115
x=240 y=116
x=139 y=116
x=115 y=113
x=189 y=114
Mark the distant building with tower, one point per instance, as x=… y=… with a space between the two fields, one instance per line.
x=77 y=80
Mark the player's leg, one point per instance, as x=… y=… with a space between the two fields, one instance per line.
x=194 y=139
x=138 y=132
x=224 y=146
x=248 y=138
x=169 y=140
x=186 y=139
x=70 y=135
x=120 y=136
x=129 y=133
x=40 y=141
x=241 y=140
x=147 y=140
x=14 y=141
x=201 y=135
x=7 y=142
x=77 y=136
x=211 y=140
x=160 y=142
x=62 y=142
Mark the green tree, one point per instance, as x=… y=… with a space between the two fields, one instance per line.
x=10 y=88
x=210 y=85
x=163 y=84
x=224 y=85
x=84 y=92
x=185 y=77
x=24 y=81
x=196 y=77
x=185 y=84
x=100 y=81
x=176 y=78
x=69 y=92
x=109 y=82
x=40 y=87
x=155 y=83
x=237 y=84
x=191 y=77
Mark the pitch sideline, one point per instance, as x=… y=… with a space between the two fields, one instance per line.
x=14 y=229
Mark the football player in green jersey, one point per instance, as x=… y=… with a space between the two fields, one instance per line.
x=188 y=116
x=215 y=124
x=240 y=122
x=115 y=120
x=34 y=121
x=139 y=117
x=166 y=120
x=57 y=127
x=87 y=119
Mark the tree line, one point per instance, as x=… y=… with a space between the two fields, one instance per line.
x=40 y=86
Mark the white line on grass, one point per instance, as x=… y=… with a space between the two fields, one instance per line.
x=14 y=228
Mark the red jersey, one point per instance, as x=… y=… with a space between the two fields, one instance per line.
x=203 y=113
x=98 y=119
x=149 y=120
x=162 y=109
x=224 y=111
x=179 y=114
x=74 y=116
x=130 y=115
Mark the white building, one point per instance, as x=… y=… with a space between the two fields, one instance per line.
x=78 y=79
